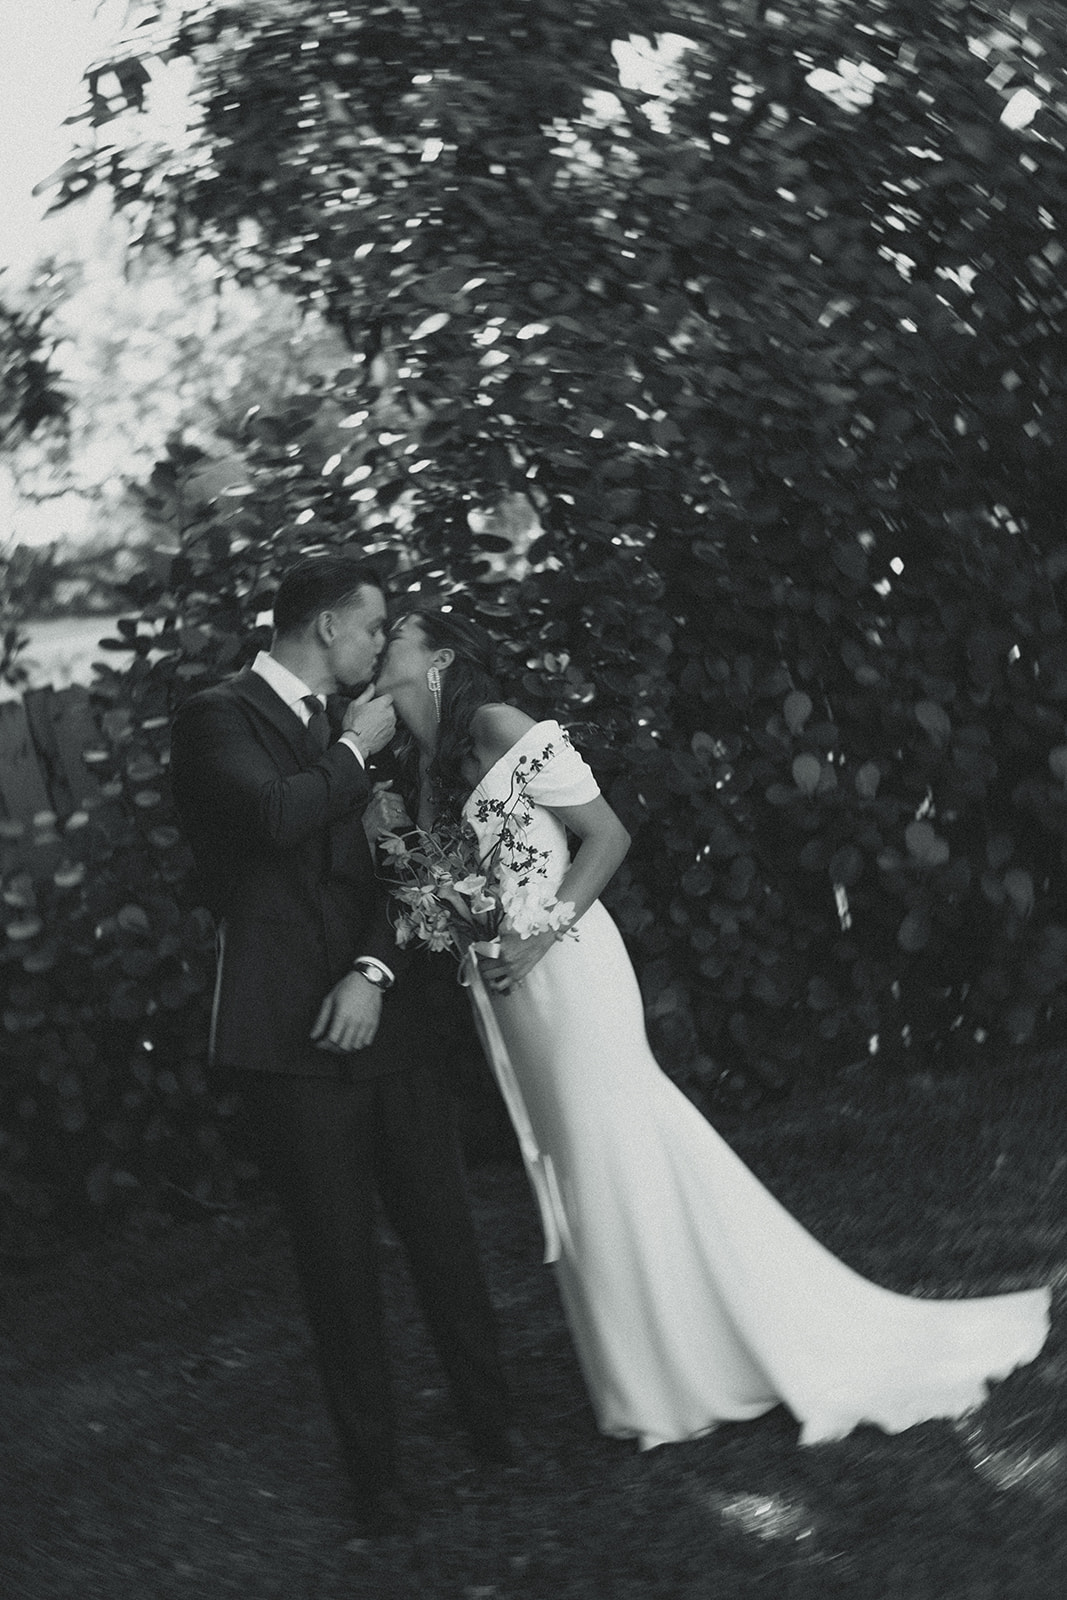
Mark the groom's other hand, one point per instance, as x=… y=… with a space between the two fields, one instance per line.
x=386 y=813
x=370 y=718
x=349 y=1016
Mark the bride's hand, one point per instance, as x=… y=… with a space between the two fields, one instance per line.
x=516 y=960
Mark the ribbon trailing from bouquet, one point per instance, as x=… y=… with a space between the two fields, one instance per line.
x=539 y=1167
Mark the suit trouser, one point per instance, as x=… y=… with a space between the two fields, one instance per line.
x=326 y=1147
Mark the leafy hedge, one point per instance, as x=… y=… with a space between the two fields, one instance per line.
x=810 y=876
x=107 y=973
x=739 y=413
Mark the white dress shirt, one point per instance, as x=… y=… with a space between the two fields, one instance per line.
x=288 y=687
x=292 y=690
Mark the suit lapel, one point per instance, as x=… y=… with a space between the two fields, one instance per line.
x=257 y=693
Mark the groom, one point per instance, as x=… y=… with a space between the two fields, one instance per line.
x=316 y=1023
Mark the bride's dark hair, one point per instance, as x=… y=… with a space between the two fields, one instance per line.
x=468 y=683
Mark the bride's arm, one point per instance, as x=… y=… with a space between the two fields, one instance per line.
x=602 y=850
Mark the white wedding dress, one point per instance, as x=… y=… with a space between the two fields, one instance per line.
x=692 y=1296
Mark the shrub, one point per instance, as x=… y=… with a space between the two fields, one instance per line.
x=107 y=984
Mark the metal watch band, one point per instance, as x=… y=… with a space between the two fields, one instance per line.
x=373 y=973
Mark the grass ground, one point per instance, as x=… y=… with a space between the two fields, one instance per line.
x=162 y=1438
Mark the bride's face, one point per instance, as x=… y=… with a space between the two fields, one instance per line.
x=407 y=658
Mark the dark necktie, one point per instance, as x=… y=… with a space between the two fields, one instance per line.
x=318 y=728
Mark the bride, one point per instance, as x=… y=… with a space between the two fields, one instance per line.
x=692 y=1296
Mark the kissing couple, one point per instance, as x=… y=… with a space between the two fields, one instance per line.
x=692 y=1296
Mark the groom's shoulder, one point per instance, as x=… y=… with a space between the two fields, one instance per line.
x=222 y=696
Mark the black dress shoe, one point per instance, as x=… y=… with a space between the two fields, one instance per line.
x=382 y=1514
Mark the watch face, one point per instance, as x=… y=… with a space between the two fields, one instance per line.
x=373 y=975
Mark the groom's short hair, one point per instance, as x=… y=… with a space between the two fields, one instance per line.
x=317 y=583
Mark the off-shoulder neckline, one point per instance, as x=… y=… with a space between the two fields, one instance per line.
x=547 y=722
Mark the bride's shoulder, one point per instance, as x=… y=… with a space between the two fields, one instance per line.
x=506 y=739
x=497 y=728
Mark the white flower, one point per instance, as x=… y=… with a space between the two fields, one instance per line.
x=530 y=907
x=391 y=844
x=469 y=886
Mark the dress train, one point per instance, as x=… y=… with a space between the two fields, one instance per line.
x=692 y=1295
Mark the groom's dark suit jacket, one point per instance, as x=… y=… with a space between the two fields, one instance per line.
x=287 y=872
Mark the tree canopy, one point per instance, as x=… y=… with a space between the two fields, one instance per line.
x=774 y=355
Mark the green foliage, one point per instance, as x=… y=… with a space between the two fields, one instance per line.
x=30 y=394
x=107 y=974
x=32 y=402
x=778 y=374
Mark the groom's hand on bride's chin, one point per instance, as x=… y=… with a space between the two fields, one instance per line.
x=349 y=1016
x=371 y=718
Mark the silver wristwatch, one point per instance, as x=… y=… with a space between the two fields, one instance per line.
x=373 y=973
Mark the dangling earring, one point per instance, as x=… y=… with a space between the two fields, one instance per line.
x=433 y=683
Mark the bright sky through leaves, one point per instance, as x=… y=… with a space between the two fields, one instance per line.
x=47 y=46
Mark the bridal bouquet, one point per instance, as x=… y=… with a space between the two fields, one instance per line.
x=451 y=895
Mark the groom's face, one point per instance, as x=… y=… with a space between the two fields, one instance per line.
x=358 y=637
